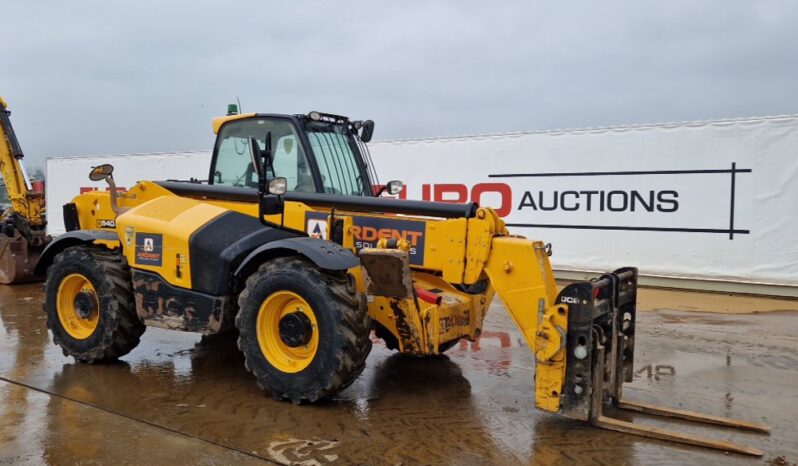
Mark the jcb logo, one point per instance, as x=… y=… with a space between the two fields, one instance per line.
x=569 y=299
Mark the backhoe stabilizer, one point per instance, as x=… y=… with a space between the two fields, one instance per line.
x=18 y=258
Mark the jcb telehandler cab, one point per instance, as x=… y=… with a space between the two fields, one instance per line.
x=291 y=242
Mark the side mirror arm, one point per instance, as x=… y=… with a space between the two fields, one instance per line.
x=268 y=204
x=113 y=194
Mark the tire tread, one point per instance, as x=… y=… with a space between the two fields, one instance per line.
x=120 y=325
x=354 y=325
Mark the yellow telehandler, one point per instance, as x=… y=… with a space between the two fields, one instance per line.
x=291 y=241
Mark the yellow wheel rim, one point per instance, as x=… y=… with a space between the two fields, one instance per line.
x=287 y=331
x=78 y=306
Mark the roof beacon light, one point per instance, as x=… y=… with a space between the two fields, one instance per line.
x=232 y=109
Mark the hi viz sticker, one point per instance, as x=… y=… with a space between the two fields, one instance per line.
x=149 y=249
x=367 y=231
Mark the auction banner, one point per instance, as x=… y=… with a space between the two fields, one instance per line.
x=710 y=200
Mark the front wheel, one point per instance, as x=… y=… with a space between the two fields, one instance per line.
x=304 y=332
x=89 y=305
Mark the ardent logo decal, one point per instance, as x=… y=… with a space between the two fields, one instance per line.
x=317 y=228
x=367 y=231
x=149 y=249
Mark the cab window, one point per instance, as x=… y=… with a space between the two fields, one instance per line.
x=234 y=168
x=338 y=164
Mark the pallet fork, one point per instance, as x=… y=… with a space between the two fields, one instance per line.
x=601 y=328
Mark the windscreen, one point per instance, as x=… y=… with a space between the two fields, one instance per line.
x=338 y=165
x=233 y=163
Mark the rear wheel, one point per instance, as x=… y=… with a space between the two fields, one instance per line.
x=89 y=305
x=304 y=332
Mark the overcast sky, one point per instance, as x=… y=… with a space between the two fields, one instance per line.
x=94 y=77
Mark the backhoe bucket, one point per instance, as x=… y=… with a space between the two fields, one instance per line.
x=18 y=260
x=601 y=335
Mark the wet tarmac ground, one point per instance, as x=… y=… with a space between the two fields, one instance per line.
x=183 y=399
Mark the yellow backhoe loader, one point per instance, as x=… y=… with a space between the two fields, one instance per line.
x=23 y=233
x=291 y=241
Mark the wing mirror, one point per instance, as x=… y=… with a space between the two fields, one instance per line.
x=106 y=172
x=394 y=187
x=368 y=131
x=101 y=172
x=277 y=186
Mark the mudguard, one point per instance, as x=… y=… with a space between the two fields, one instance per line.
x=72 y=238
x=325 y=254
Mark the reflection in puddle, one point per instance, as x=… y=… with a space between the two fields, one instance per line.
x=473 y=406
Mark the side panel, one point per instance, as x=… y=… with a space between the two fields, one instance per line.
x=159 y=304
x=221 y=244
x=156 y=234
x=435 y=244
x=367 y=231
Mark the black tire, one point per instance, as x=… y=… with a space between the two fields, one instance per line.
x=343 y=329
x=119 y=328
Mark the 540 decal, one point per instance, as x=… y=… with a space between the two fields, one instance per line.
x=106 y=223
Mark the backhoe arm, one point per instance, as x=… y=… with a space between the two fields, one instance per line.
x=22 y=227
x=23 y=201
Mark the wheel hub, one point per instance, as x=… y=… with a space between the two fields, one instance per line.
x=85 y=304
x=295 y=329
